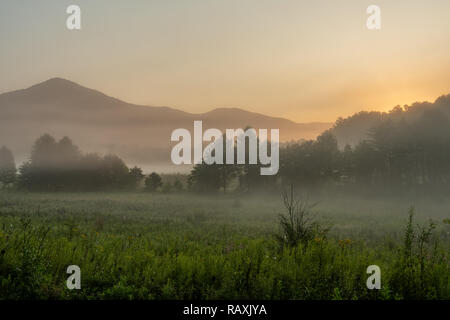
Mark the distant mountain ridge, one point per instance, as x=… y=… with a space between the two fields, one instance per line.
x=100 y=123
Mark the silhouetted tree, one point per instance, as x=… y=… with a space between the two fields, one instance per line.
x=7 y=166
x=153 y=182
x=209 y=178
x=59 y=166
x=115 y=172
x=135 y=177
x=205 y=178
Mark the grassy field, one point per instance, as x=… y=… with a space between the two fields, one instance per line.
x=157 y=246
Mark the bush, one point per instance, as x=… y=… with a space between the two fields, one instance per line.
x=298 y=225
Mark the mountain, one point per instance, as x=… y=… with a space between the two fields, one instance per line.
x=99 y=123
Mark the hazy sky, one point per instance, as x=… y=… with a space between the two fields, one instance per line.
x=305 y=60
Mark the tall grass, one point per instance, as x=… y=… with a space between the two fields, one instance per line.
x=168 y=247
x=298 y=224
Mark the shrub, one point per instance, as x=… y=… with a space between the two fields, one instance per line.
x=298 y=225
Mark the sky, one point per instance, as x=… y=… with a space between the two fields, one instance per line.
x=304 y=60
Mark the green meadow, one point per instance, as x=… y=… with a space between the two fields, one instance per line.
x=141 y=245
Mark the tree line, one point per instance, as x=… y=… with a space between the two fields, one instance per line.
x=61 y=166
x=396 y=155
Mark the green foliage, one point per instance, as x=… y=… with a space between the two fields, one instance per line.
x=25 y=276
x=416 y=268
x=298 y=225
x=131 y=246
